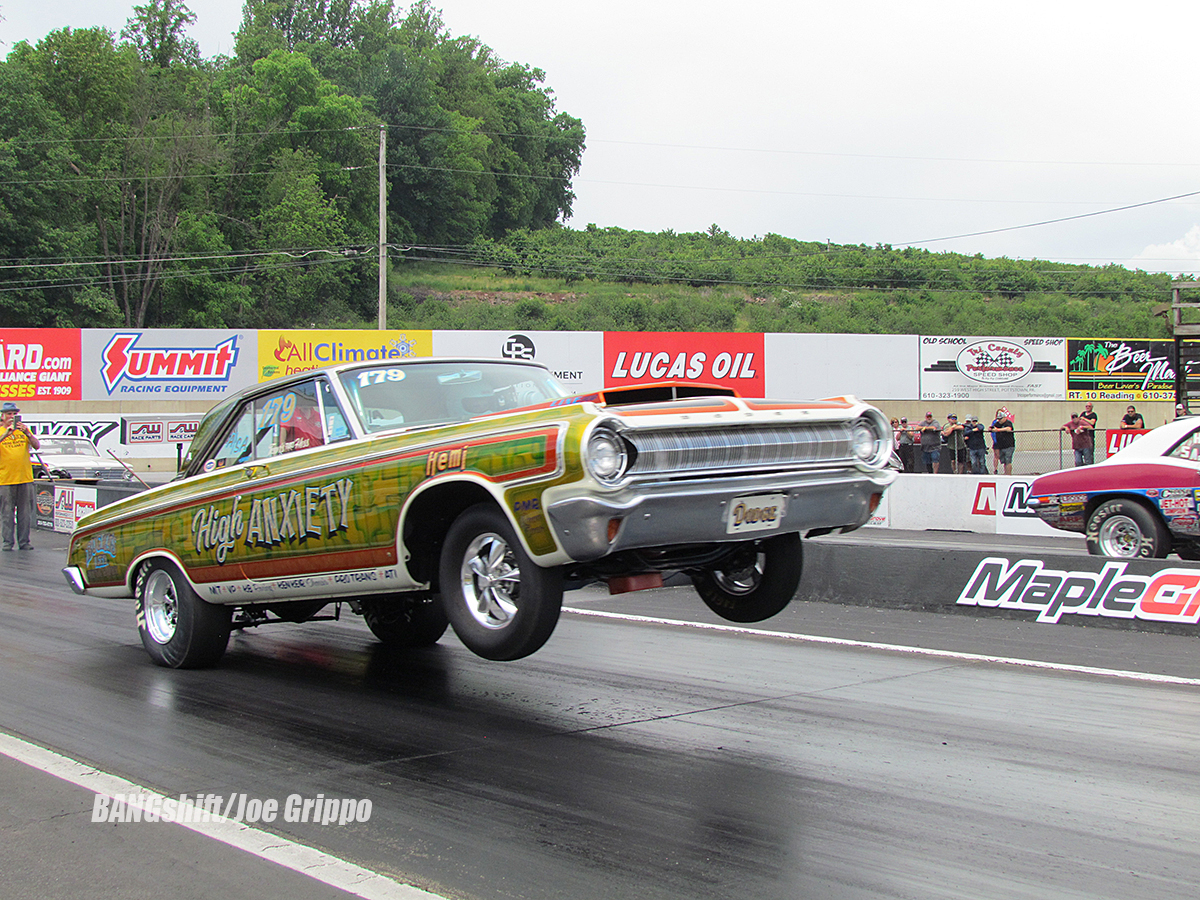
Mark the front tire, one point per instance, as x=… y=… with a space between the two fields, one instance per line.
x=178 y=629
x=415 y=619
x=758 y=581
x=501 y=605
x=1126 y=529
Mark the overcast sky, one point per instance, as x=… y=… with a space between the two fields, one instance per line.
x=949 y=125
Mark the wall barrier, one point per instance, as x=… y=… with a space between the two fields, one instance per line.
x=984 y=504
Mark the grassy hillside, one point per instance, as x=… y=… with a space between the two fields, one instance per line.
x=560 y=279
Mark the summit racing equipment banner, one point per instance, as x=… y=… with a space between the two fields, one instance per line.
x=40 y=364
x=732 y=360
x=997 y=368
x=1168 y=595
x=161 y=364
x=1120 y=370
x=288 y=352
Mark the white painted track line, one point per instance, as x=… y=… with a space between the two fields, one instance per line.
x=893 y=648
x=307 y=861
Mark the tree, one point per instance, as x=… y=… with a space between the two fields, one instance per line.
x=156 y=30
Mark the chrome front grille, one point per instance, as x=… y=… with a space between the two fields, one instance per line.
x=738 y=448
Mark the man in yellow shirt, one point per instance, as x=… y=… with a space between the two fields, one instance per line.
x=16 y=477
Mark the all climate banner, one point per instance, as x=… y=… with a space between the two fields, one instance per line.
x=288 y=352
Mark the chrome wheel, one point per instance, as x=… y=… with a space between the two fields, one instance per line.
x=491 y=581
x=160 y=606
x=1120 y=536
x=744 y=577
x=501 y=604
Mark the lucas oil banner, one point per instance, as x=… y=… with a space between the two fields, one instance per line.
x=732 y=360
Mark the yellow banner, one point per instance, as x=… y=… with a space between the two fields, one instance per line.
x=287 y=352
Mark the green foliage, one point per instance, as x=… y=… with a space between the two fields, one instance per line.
x=241 y=192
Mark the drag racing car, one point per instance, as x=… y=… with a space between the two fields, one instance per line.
x=472 y=493
x=1140 y=502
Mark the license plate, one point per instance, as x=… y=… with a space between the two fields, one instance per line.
x=763 y=512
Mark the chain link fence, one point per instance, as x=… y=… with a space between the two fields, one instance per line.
x=1037 y=452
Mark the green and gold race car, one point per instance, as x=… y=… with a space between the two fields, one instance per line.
x=472 y=493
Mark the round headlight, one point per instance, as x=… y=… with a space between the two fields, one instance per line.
x=606 y=456
x=864 y=441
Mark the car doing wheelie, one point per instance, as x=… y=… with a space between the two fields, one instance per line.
x=1140 y=502
x=426 y=494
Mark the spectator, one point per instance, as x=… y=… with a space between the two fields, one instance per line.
x=1005 y=440
x=931 y=443
x=1180 y=411
x=1089 y=416
x=1132 y=419
x=974 y=436
x=906 y=446
x=1081 y=439
x=956 y=446
x=16 y=477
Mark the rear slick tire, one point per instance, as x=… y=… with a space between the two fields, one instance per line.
x=1126 y=529
x=178 y=629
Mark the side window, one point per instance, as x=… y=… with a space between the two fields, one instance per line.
x=299 y=417
x=239 y=446
x=336 y=428
x=1188 y=448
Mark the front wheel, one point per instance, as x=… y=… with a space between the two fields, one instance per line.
x=500 y=604
x=178 y=629
x=405 y=620
x=756 y=582
x=1128 y=530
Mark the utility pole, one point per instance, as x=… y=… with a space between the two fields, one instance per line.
x=382 y=226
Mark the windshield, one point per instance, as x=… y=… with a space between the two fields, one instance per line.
x=68 y=445
x=394 y=396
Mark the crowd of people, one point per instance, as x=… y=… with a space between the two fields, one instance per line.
x=920 y=446
x=964 y=444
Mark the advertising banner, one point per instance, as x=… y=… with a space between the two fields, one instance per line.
x=129 y=438
x=576 y=358
x=288 y=352
x=71 y=504
x=984 y=504
x=1120 y=370
x=45 y=505
x=869 y=366
x=996 y=368
x=1119 y=438
x=731 y=360
x=163 y=364
x=40 y=364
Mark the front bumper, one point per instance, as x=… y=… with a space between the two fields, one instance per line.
x=694 y=512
